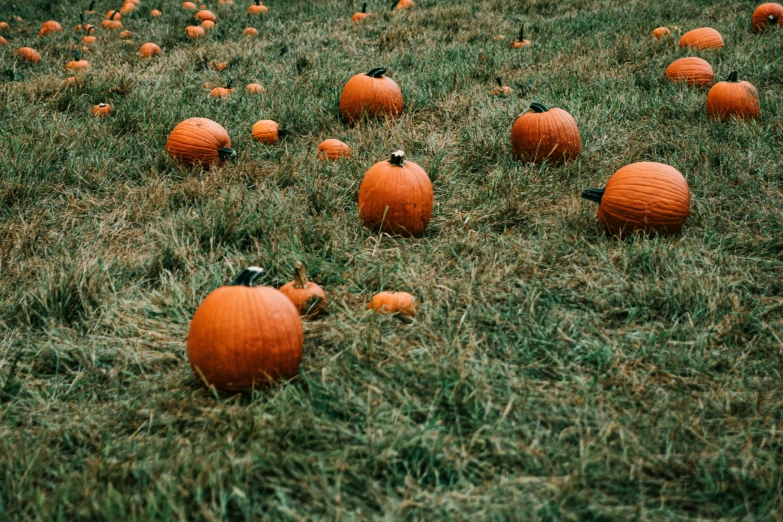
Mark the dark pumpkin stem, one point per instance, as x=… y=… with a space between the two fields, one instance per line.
x=81 y=18
x=522 y=33
x=397 y=158
x=92 y=6
x=247 y=276
x=732 y=77
x=76 y=54
x=500 y=81
x=377 y=73
x=115 y=13
x=394 y=4
x=538 y=107
x=226 y=153
x=300 y=275
x=593 y=194
x=230 y=82
x=89 y=30
x=364 y=7
x=258 y=2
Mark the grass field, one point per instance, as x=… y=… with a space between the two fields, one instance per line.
x=552 y=372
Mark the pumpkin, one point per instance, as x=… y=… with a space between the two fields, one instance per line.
x=207 y=24
x=113 y=22
x=254 y=88
x=372 y=93
x=30 y=55
x=189 y=5
x=126 y=34
x=257 y=8
x=404 y=4
x=250 y=31
x=101 y=110
x=221 y=92
x=393 y=303
x=195 y=31
x=149 y=50
x=113 y=15
x=127 y=7
x=521 y=41
x=206 y=15
x=50 y=27
x=242 y=336
x=199 y=140
x=733 y=99
x=332 y=150
x=77 y=64
x=661 y=32
x=219 y=66
x=308 y=298
x=703 y=38
x=643 y=197
x=545 y=134
x=156 y=13
x=3 y=41
x=396 y=197
x=767 y=15
x=501 y=90
x=3 y=26
x=691 y=70
x=361 y=15
x=266 y=131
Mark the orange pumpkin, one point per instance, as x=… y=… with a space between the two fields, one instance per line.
x=113 y=15
x=156 y=13
x=195 y=31
x=702 y=38
x=50 y=27
x=396 y=197
x=3 y=26
x=127 y=7
x=308 y=298
x=219 y=66
x=643 y=197
x=404 y=4
x=77 y=64
x=225 y=2
x=767 y=15
x=661 y=32
x=206 y=15
x=254 y=88
x=521 y=41
x=207 y=24
x=3 y=41
x=257 y=8
x=112 y=22
x=733 y=99
x=199 y=140
x=501 y=90
x=102 y=110
x=91 y=9
x=221 y=92
x=72 y=81
x=266 y=131
x=691 y=70
x=149 y=50
x=189 y=5
x=30 y=55
x=250 y=31
x=361 y=15
x=332 y=150
x=126 y=34
x=393 y=303
x=372 y=93
x=242 y=336
x=545 y=134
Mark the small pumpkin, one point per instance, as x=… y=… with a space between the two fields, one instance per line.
x=199 y=140
x=72 y=81
x=28 y=54
x=223 y=92
x=218 y=66
x=206 y=15
x=113 y=22
x=404 y=4
x=257 y=8
x=308 y=298
x=77 y=64
x=521 y=41
x=195 y=31
x=50 y=26
x=102 y=110
x=189 y=5
x=333 y=150
x=766 y=16
x=149 y=49
x=127 y=7
x=393 y=303
x=91 y=9
x=643 y=197
x=208 y=24
x=126 y=34
x=3 y=26
x=266 y=131
x=733 y=99
x=396 y=197
x=156 y=13
x=690 y=70
x=3 y=41
x=250 y=31
x=545 y=134
x=501 y=90
x=242 y=337
x=702 y=38
x=361 y=15
x=661 y=32
x=254 y=88
x=372 y=93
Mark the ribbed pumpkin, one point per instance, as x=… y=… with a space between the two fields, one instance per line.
x=28 y=54
x=332 y=150
x=545 y=134
x=396 y=196
x=102 y=110
x=308 y=298
x=199 y=140
x=148 y=50
x=195 y=31
x=733 y=99
x=50 y=27
x=643 y=197
x=206 y=15
x=702 y=38
x=113 y=21
x=361 y=15
x=661 y=32
x=113 y=15
x=393 y=303
x=257 y=8
x=690 y=70
x=767 y=15
x=373 y=94
x=242 y=337
x=266 y=131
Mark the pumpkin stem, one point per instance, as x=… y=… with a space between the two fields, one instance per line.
x=773 y=19
x=377 y=73
x=522 y=33
x=90 y=29
x=226 y=153
x=364 y=7
x=230 y=82
x=500 y=81
x=247 y=276
x=300 y=275
x=394 y=4
x=92 y=6
x=76 y=54
x=732 y=77
x=397 y=158
x=81 y=18
x=593 y=194
x=538 y=107
x=258 y=2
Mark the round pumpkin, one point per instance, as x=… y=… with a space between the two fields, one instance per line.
x=521 y=41
x=221 y=92
x=77 y=64
x=254 y=88
x=149 y=50
x=266 y=131
x=733 y=99
x=112 y=24
x=50 y=26
x=113 y=15
x=404 y=4
x=702 y=38
x=308 y=298
x=393 y=303
x=767 y=15
x=206 y=15
x=501 y=90
x=3 y=41
x=690 y=70
x=242 y=336
x=28 y=54
x=195 y=31
x=207 y=24
x=189 y=5
x=332 y=150
x=661 y=32
x=396 y=197
x=89 y=40
x=643 y=197
x=3 y=26
x=102 y=110
x=199 y=140
x=545 y=134
x=257 y=8
x=372 y=93
x=361 y=15
x=250 y=31
x=156 y=13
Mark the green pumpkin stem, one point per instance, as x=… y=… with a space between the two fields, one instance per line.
x=258 y=2
x=538 y=107
x=247 y=276
x=732 y=77
x=397 y=158
x=377 y=73
x=364 y=7
x=226 y=153
x=92 y=6
x=81 y=18
x=300 y=275
x=76 y=54
x=593 y=194
x=230 y=82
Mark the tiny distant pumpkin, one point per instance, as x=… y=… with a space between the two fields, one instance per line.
x=308 y=298
x=266 y=131
x=126 y=34
x=102 y=110
x=3 y=26
x=501 y=90
x=396 y=197
x=50 y=26
x=643 y=197
x=149 y=50
x=28 y=54
x=545 y=134
x=225 y=2
x=113 y=15
x=127 y=7
x=250 y=31
x=257 y=8
x=521 y=42
x=199 y=140
x=690 y=70
x=333 y=150
x=189 y=5
x=404 y=4
x=195 y=31
x=206 y=15
x=702 y=38
x=72 y=81
x=373 y=94
x=156 y=13
x=218 y=66
x=766 y=16
x=661 y=32
x=242 y=337
x=393 y=303
x=77 y=64
x=113 y=22
x=208 y=24
x=361 y=15
x=733 y=99
x=3 y=41
x=254 y=88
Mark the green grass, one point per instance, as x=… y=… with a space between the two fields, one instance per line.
x=552 y=373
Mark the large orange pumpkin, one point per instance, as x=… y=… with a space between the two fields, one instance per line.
x=393 y=303
x=702 y=38
x=545 y=134
x=396 y=196
x=266 y=131
x=373 y=94
x=691 y=70
x=29 y=54
x=243 y=337
x=733 y=99
x=148 y=50
x=50 y=27
x=206 y=15
x=643 y=197
x=199 y=140
x=308 y=298
x=332 y=150
x=767 y=15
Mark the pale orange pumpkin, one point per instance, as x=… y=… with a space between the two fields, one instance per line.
x=691 y=70
x=250 y=31
x=156 y=13
x=254 y=88
x=702 y=38
x=404 y=4
x=50 y=27
x=733 y=99
x=28 y=54
x=308 y=298
x=195 y=31
x=206 y=15
x=199 y=141
x=372 y=94
x=393 y=303
x=77 y=64
x=149 y=50
x=545 y=134
x=501 y=90
x=189 y=5
x=266 y=131
x=126 y=34
x=333 y=150
x=3 y=26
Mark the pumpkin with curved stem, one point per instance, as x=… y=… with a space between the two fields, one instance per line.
x=691 y=70
x=102 y=110
x=361 y=15
x=257 y=8
x=661 y=32
x=254 y=88
x=113 y=15
x=521 y=41
x=373 y=94
x=733 y=99
x=702 y=38
x=189 y=5
x=250 y=31
x=393 y=303
x=501 y=90
x=113 y=22
x=242 y=337
x=77 y=64
x=50 y=27
x=766 y=16
x=266 y=131
x=545 y=134
x=332 y=150
x=156 y=13
x=91 y=8
x=149 y=49
x=28 y=54
x=643 y=197
x=195 y=31
x=223 y=92
x=308 y=298
x=199 y=140
x=206 y=15
x=396 y=197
